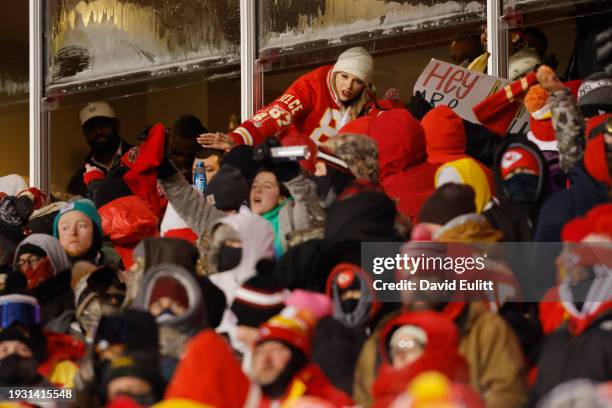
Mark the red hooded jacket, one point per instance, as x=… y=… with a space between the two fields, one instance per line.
x=441 y=354
x=446 y=139
x=405 y=174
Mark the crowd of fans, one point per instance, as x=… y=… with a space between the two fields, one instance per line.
x=143 y=291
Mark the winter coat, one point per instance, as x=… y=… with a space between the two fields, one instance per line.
x=496 y=363
x=561 y=207
x=404 y=173
x=257 y=238
x=309 y=108
x=566 y=356
x=440 y=354
x=55 y=296
x=515 y=222
x=209 y=373
x=76 y=185
x=310 y=382
x=302 y=213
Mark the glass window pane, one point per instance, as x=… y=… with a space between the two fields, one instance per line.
x=288 y=26
x=14 y=88
x=135 y=39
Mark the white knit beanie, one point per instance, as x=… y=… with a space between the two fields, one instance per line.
x=356 y=61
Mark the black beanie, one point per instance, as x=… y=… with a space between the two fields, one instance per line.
x=135 y=329
x=14 y=215
x=447 y=202
x=259 y=298
x=139 y=364
x=228 y=189
x=31 y=336
x=241 y=157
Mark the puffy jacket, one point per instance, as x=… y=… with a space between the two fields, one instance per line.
x=405 y=174
x=440 y=354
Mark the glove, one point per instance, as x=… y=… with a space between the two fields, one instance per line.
x=166 y=169
x=418 y=106
x=284 y=170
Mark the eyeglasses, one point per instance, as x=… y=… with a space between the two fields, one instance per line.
x=32 y=260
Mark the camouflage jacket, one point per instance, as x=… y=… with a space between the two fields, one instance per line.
x=569 y=125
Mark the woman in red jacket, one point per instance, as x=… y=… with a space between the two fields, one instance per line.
x=315 y=106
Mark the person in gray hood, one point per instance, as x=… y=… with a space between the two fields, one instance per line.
x=40 y=257
x=174 y=297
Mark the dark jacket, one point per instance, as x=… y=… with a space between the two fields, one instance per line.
x=567 y=357
x=584 y=194
x=514 y=221
x=76 y=185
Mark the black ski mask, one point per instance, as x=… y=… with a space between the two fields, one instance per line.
x=16 y=370
x=331 y=185
x=523 y=189
x=229 y=258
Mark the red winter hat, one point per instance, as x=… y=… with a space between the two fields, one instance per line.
x=293 y=327
x=597 y=221
x=518 y=158
x=497 y=111
x=171 y=288
x=595 y=153
x=444 y=135
x=540 y=122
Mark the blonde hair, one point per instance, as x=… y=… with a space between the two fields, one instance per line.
x=358 y=103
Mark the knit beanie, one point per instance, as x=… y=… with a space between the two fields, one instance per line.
x=170 y=288
x=83 y=205
x=228 y=189
x=356 y=61
x=258 y=300
x=540 y=122
x=135 y=329
x=14 y=215
x=522 y=63
x=241 y=158
x=595 y=95
x=517 y=159
x=447 y=202
x=292 y=326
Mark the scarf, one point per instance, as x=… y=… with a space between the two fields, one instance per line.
x=272 y=217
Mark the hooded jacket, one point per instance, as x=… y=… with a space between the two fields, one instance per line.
x=57 y=256
x=195 y=317
x=496 y=364
x=445 y=137
x=257 y=240
x=440 y=354
x=561 y=207
x=405 y=174
x=508 y=216
x=570 y=354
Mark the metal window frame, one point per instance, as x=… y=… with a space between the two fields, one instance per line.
x=39 y=164
x=497 y=40
x=251 y=79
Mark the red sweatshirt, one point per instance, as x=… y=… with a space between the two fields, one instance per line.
x=309 y=108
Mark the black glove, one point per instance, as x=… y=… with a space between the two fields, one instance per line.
x=418 y=106
x=166 y=169
x=284 y=170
